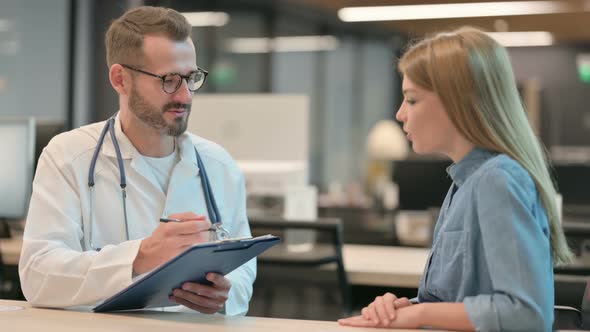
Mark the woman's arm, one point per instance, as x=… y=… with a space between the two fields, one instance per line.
x=516 y=252
x=446 y=316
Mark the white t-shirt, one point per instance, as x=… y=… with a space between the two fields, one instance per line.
x=162 y=168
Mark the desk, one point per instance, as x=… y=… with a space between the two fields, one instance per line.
x=364 y=226
x=365 y=265
x=384 y=265
x=52 y=320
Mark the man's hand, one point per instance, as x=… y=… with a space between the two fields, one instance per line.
x=207 y=299
x=381 y=312
x=170 y=239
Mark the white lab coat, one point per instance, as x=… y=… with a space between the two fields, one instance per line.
x=58 y=268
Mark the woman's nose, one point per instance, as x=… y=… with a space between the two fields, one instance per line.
x=400 y=115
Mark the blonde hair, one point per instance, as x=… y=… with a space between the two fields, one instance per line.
x=472 y=75
x=124 y=38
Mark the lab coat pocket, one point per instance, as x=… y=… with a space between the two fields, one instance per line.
x=450 y=264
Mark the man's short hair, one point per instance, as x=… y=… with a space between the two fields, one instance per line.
x=124 y=39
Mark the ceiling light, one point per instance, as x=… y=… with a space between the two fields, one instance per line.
x=282 y=44
x=248 y=45
x=203 y=19
x=305 y=43
x=524 y=38
x=452 y=10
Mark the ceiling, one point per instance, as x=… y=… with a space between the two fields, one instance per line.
x=566 y=27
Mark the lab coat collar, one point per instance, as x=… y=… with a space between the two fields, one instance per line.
x=128 y=150
x=187 y=150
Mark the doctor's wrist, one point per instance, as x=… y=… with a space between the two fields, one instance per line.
x=141 y=261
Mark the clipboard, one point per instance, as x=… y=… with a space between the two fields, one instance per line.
x=193 y=264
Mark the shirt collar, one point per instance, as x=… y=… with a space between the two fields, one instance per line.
x=461 y=171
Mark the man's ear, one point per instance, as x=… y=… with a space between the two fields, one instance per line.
x=120 y=79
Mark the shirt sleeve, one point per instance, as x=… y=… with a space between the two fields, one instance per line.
x=242 y=278
x=54 y=269
x=515 y=242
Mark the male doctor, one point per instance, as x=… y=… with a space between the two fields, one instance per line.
x=80 y=248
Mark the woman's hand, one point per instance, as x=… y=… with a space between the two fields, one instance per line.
x=381 y=312
x=406 y=315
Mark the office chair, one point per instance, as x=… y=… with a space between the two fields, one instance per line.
x=2 y=276
x=10 y=288
x=572 y=316
x=5 y=284
x=299 y=273
x=572 y=281
x=4 y=230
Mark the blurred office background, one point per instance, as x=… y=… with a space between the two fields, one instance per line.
x=364 y=175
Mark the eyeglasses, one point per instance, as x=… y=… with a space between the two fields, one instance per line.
x=171 y=82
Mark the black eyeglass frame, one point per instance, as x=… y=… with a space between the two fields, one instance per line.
x=163 y=77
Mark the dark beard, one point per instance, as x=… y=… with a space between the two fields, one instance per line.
x=154 y=118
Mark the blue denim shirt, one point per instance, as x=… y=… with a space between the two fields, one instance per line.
x=491 y=247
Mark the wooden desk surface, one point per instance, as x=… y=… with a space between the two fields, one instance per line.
x=55 y=320
x=365 y=265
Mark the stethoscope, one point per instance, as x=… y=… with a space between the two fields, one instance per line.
x=219 y=233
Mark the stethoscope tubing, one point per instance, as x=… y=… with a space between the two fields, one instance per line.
x=212 y=209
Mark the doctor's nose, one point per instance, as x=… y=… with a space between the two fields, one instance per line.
x=183 y=94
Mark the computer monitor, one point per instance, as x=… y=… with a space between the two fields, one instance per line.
x=267 y=134
x=254 y=126
x=17 y=146
x=45 y=130
x=571 y=180
x=423 y=184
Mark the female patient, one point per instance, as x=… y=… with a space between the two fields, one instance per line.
x=498 y=233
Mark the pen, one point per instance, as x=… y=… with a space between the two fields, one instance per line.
x=170 y=220
x=212 y=229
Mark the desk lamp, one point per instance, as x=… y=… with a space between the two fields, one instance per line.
x=386 y=143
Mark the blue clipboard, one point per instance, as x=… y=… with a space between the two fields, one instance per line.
x=193 y=264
